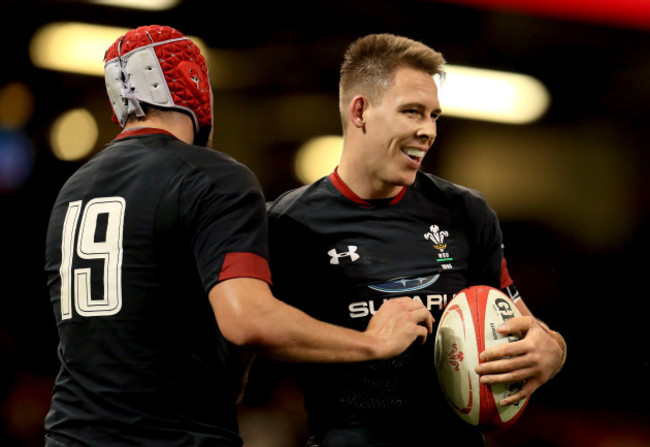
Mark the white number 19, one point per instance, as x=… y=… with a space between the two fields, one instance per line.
x=109 y=249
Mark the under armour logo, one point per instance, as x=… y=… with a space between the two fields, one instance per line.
x=351 y=253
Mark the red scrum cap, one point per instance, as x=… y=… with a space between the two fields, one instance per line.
x=159 y=66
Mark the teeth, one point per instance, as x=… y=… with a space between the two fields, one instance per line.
x=414 y=152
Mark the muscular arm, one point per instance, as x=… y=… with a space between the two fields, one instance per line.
x=249 y=315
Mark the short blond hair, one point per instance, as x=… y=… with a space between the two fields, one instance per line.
x=370 y=63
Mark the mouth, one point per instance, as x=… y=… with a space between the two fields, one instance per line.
x=414 y=154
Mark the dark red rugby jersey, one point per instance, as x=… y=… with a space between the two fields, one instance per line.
x=338 y=257
x=137 y=238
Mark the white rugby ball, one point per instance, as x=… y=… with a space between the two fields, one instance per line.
x=467 y=327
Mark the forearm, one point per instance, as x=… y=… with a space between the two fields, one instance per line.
x=248 y=315
x=288 y=334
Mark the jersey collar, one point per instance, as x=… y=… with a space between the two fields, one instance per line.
x=139 y=131
x=348 y=193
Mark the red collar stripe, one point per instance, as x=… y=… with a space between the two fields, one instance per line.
x=139 y=131
x=348 y=193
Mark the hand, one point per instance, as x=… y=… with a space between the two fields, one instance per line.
x=397 y=324
x=535 y=358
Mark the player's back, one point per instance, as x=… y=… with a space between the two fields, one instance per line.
x=138 y=339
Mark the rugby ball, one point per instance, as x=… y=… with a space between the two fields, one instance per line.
x=467 y=327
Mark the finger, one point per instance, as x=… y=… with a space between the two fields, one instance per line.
x=424 y=317
x=526 y=391
x=503 y=366
x=512 y=349
x=516 y=375
x=422 y=334
x=512 y=399
x=517 y=324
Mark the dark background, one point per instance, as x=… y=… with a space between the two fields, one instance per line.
x=571 y=189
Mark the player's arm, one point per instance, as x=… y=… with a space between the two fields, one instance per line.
x=536 y=358
x=249 y=315
x=554 y=334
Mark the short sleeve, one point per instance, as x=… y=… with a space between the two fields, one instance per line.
x=225 y=212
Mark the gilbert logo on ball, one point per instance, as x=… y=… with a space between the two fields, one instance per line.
x=468 y=327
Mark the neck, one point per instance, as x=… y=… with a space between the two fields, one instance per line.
x=364 y=185
x=176 y=123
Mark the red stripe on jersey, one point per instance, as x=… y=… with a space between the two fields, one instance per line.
x=399 y=196
x=347 y=192
x=506 y=280
x=245 y=265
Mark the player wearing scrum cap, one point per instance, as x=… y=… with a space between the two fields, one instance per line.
x=157 y=267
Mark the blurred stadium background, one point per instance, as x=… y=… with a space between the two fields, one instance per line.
x=568 y=176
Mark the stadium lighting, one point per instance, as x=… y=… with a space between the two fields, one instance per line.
x=148 y=5
x=465 y=92
x=74 y=135
x=73 y=47
x=491 y=95
x=317 y=158
x=77 y=47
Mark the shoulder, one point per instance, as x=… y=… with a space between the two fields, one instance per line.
x=287 y=200
x=299 y=201
x=454 y=193
x=450 y=189
x=159 y=150
x=212 y=168
x=216 y=164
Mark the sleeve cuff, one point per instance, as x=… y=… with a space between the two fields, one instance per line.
x=245 y=265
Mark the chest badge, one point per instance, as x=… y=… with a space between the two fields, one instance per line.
x=438 y=236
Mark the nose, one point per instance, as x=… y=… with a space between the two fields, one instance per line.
x=427 y=132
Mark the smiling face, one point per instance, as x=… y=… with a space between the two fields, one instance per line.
x=391 y=136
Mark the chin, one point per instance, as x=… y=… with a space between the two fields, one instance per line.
x=407 y=180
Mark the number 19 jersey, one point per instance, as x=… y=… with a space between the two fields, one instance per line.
x=137 y=238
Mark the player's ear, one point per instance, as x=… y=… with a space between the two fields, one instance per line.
x=358 y=107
